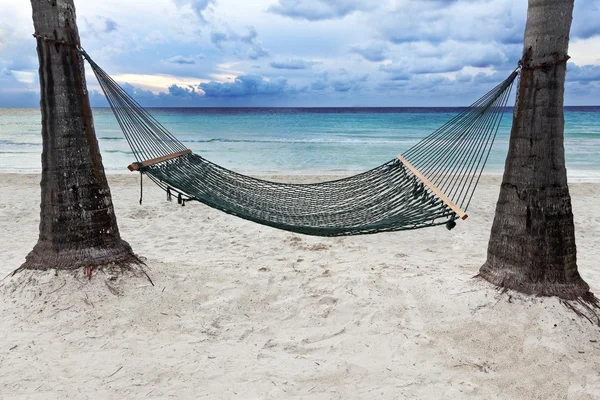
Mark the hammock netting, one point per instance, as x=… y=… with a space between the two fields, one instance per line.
x=390 y=197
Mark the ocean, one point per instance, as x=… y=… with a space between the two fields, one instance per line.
x=293 y=140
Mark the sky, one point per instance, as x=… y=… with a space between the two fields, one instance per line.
x=299 y=53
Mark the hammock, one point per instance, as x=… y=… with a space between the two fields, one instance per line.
x=430 y=184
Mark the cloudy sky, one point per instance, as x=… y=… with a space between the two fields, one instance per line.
x=299 y=52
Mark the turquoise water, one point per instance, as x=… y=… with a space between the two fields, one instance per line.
x=293 y=140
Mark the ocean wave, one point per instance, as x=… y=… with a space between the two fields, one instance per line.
x=304 y=140
x=111 y=138
x=118 y=151
x=8 y=142
x=330 y=140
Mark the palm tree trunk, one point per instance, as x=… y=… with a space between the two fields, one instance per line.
x=78 y=227
x=532 y=244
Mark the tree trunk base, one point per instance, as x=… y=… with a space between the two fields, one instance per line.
x=576 y=296
x=506 y=278
x=44 y=257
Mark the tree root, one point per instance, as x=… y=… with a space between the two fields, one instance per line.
x=114 y=270
x=590 y=305
x=124 y=264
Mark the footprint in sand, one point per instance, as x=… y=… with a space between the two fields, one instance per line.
x=412 y=321
x=328 y=300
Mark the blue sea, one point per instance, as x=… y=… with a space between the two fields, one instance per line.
x=293 y=140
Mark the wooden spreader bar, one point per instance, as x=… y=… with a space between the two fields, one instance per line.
x=434 y=189
x=147 y=163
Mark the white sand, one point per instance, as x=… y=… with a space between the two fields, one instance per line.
x=243 y=311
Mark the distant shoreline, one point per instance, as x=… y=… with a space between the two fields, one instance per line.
x=574 y=176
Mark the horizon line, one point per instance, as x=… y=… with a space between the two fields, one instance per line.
x=302 y=107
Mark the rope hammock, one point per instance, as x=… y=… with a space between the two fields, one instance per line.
x=430 y=184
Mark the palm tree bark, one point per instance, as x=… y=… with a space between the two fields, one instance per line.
x=532 y=244
x=78 y=227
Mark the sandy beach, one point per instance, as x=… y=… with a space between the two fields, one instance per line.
x=243 y=311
